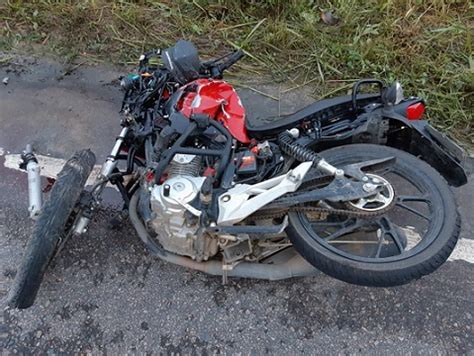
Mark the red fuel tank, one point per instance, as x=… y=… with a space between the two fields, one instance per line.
x=219 y=100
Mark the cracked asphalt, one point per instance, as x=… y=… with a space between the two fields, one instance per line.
x=105 y=294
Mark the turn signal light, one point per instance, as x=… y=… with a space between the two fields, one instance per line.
x=415 y=111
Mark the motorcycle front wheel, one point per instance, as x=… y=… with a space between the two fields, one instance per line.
x=412 y=238
x=50 y=229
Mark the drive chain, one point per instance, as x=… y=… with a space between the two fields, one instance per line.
x=324 y=212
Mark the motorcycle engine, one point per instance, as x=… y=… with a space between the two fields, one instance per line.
x=174 y=219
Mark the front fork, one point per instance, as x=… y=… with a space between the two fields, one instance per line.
x=30 y=164
x=99 y=185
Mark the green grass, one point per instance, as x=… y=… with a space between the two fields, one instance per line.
x=427 y=45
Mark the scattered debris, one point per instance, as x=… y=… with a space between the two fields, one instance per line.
x=69 y=70
x=6 y=80
x=329 y=18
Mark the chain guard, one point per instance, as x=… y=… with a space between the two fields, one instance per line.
x=315 y=183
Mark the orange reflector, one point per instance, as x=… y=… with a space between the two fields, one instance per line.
x=247 y=160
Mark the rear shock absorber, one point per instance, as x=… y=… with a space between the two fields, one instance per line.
x=288 y=145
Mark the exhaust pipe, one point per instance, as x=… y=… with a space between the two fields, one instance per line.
x=30 y=164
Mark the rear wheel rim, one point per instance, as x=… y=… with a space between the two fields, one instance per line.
x=386 y=238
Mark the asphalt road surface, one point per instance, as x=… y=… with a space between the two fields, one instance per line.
x=106 y=294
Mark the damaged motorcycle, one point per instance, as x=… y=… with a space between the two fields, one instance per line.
x=356 y=186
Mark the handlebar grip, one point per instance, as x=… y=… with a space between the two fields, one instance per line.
x=237 y=56
x=233 y=58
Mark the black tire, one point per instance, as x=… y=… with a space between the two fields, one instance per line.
x=389 y=271
x=49 y=227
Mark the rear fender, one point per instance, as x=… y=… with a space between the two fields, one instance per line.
x=421 y=139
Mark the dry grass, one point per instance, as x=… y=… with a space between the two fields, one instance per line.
x=425 y=44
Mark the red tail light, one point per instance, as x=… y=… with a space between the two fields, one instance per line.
x=415 y=111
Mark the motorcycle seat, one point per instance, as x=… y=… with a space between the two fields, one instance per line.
x=258 y=126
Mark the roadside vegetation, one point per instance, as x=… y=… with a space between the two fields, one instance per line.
x=324 y=45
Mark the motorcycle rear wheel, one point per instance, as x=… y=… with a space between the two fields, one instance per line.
x=409 y=241
x=49 y=229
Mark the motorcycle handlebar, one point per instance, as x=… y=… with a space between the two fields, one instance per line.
x=217 y=70
x=233 y=58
